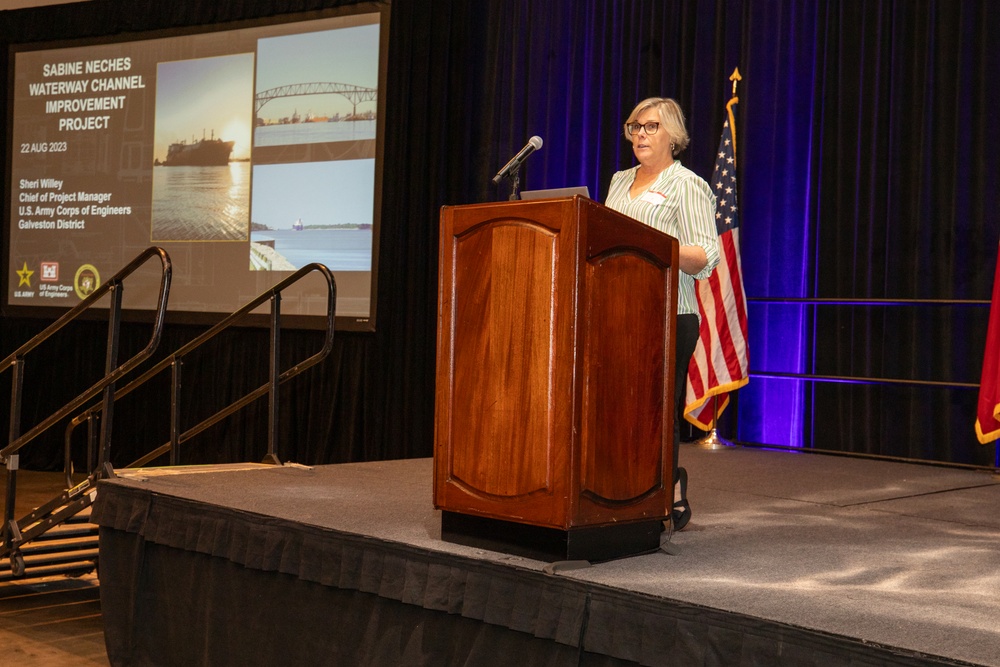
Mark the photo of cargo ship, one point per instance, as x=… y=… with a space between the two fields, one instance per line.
x=205 y=153
x=201 y=186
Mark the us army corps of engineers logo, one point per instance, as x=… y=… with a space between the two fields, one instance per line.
x=86 y=280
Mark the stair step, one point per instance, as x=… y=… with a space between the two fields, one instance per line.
x=43 y=559
x=83 y=516
x=64 y=530
x=76 y=569
x=68 y=544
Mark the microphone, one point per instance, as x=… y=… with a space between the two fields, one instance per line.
x=533 y=145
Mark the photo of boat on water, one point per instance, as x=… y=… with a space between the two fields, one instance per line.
x=210 y=152
x=303 y=99
x=313 y=212
x=202 y=149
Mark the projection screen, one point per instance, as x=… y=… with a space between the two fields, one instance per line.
x=246 y=152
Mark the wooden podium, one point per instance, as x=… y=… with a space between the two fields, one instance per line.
x=554 y=384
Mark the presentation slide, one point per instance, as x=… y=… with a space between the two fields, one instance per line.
x=245 y=153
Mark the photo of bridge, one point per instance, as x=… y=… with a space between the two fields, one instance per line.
x=317 y=87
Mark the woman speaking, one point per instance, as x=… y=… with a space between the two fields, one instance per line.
x=667 y=196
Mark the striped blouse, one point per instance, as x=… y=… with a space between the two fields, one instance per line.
x=678 y=203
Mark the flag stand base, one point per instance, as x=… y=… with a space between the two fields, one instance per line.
x=713 y=441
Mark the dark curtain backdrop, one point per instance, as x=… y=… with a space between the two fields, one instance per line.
x=903 y=190
x=866 y=168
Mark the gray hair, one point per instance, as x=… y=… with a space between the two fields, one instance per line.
x=671 y=118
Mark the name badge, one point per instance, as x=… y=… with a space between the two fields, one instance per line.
x=654 y=198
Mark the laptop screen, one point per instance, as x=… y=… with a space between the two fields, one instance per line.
x=556 y=192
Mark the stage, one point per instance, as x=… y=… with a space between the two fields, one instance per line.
x=790 y=559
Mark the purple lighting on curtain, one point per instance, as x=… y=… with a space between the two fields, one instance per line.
x=572 y=72
x=776 y=158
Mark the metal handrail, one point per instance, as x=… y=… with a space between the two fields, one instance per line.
x=276 y=377
x=113 y=286
x=113 y=372
x=854 y=379
x=836 y=301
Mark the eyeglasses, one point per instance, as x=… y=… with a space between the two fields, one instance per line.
x=633 y=128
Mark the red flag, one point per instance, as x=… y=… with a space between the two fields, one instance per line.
x=988 y=412
x=719 y=363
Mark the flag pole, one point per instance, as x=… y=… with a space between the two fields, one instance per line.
x=712 y=439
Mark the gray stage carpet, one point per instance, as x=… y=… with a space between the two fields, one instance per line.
x=904 y=557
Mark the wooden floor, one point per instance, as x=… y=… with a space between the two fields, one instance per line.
x=51 y=622
x=54 y=622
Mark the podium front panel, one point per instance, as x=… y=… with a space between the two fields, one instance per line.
x=624 y=389
x=505 y=361
x=629 y=306
x=503 y=372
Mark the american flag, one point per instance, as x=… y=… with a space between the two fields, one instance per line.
x=719 y=364
x=988 y=407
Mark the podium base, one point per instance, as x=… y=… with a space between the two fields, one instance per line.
x=590 y=543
